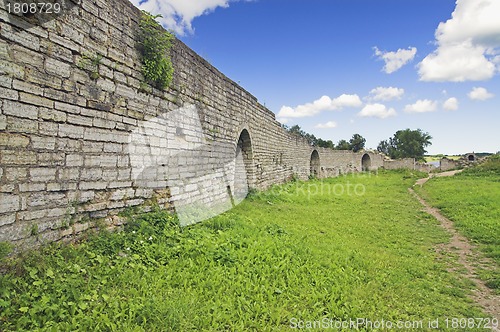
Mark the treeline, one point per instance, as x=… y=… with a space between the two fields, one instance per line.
x=403 y=144
x=356 y=143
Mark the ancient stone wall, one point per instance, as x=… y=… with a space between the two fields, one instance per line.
x=81 y=138
x=408 y=163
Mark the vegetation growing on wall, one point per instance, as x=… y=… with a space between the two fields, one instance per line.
x=155 y=44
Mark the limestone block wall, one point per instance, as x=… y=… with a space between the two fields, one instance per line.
x=81 y=139
x=408 y=163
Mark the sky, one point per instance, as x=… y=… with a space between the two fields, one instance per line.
x=372 y=67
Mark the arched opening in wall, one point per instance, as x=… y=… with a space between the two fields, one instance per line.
x=244 y=170
x=366 y=162
x=315 y=164
x=471 y=157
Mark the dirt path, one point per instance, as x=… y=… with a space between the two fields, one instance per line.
x=468 y=255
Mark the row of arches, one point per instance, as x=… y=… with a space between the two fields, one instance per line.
x=244 y=153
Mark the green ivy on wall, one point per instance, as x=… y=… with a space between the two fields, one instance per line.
x=154 y=45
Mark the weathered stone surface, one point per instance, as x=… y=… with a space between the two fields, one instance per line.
x=71 y=138
x=20 y=110
x=9 y=203
x=14 y=140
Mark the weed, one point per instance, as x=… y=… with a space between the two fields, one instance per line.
x=280 y=255
x=90 y=63
x=470 y=199
x=154 y=45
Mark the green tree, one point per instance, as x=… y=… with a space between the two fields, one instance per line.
x=296 y=130
x=384 y=147
x=343 y=145
x=406 y=144
x=357 y=143
x=325 y=144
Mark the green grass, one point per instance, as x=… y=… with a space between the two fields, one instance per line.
x=301 y=250
x=471 y=200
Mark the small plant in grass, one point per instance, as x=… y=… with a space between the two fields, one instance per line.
x=154 y=45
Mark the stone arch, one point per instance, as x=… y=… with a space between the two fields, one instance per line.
x=315 y=164
x=471 y=157
x=366 y=162
x=244 y=171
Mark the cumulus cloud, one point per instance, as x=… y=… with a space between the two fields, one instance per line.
x=179 y=14
x=480 y=94
x=421 y=106
x=324 y=103
x=467 y=44
x=377 y=110
x=328 y=125
x=386 y=94
x=395 y=60
x=451 y=104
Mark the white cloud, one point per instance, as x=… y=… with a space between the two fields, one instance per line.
x=480 y=94
x=328 y=125
x=468 y=44
x=179 y=14
x=451 y=104
x=395 y=60
x=325 y=103
x=377 y=110
x=386 y=94
x=421 y=106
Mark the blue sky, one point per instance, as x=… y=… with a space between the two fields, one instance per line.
x=339 y=67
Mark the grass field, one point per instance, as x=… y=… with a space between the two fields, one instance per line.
x=345 y=248
x=471 y=200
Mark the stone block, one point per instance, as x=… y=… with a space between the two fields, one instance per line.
x=69 y=174
x=58 y=68
x=50 y=159
x=7 y=67
x=93 y=185
x=43 y=174
x=74 y=160
x=13 y=140
x=3 y=122
x=91 y=174
x=57 y=186
x=6 y=93
x=31 y=187
x=12 y=157
x=6 y=81
x=68 y=108
x=9 y=203
x=16 y=174
x=80 y=120
x=48 y=128
x=52 y=115
x=46 y=199
x=31 y=215
x=66 y=130
x=7 y=219
x=20 y=110
x=43 y=142
x=107 y=160
x=35 y=100
x=65 y=42
x=14 y=232
x=21 y=37
x=21 y=125
x=25 y=56
x=27 y=87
